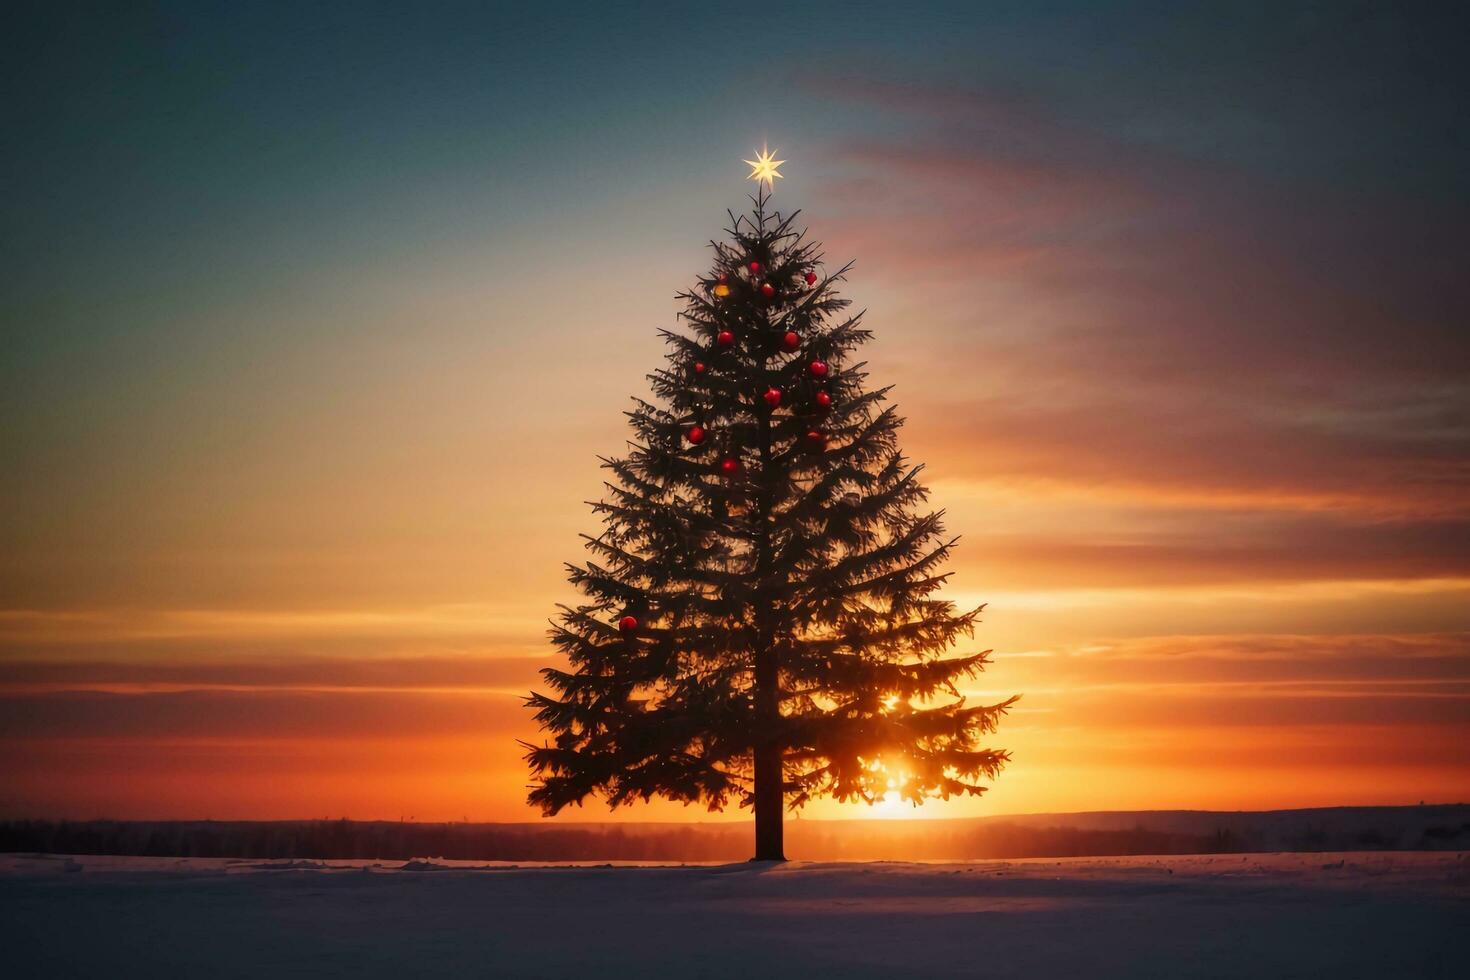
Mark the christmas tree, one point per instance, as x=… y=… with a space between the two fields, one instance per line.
x=762 y=621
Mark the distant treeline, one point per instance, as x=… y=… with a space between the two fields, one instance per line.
x=1038 y=835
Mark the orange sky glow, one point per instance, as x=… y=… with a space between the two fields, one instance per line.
x=287 y=502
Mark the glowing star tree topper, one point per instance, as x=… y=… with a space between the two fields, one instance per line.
x=763 y=168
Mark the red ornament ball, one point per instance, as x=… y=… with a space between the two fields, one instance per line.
x=817 y=438
x=772 y=397
x=767 y=290
x=695 y=434
x=755 y=267
x=628 y=624
x=700 y=367
x=811 y=279
x=824 y=399
x=730 y=467
x=819 y=369
x=791 y=341
x=726 y=338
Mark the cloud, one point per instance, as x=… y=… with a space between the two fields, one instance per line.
x=263 y=632
x=1119 y=312
x=276 y=715
x=384 y=674
x=1191 y=549
x=1279 y=681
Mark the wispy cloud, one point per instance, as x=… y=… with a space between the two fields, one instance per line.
x=1131 y=318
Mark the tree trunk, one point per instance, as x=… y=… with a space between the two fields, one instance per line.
x=770 y=797
x=769 y=805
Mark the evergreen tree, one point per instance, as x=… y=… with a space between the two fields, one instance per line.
x=762 y=621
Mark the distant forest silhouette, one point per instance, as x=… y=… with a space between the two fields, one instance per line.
x=1445 y=827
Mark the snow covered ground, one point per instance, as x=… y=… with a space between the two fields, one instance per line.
x=1340 y=916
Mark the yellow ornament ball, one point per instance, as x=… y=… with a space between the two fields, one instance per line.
x=722 y=290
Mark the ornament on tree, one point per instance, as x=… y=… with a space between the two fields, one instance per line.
x=700 y=367
x=730 y=467
x=819 y=369
x=755 y=267
x=791 y=341
x=726 y=338
x=811 y=278
x=824 y=400
x=695 y=434
x=767 y=290
x=817 y=440
x=773 y=397
x=628 y=624
x=721 y=290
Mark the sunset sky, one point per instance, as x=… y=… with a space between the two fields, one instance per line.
x=316 y=321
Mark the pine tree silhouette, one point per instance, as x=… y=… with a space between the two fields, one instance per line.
x=762 y=621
